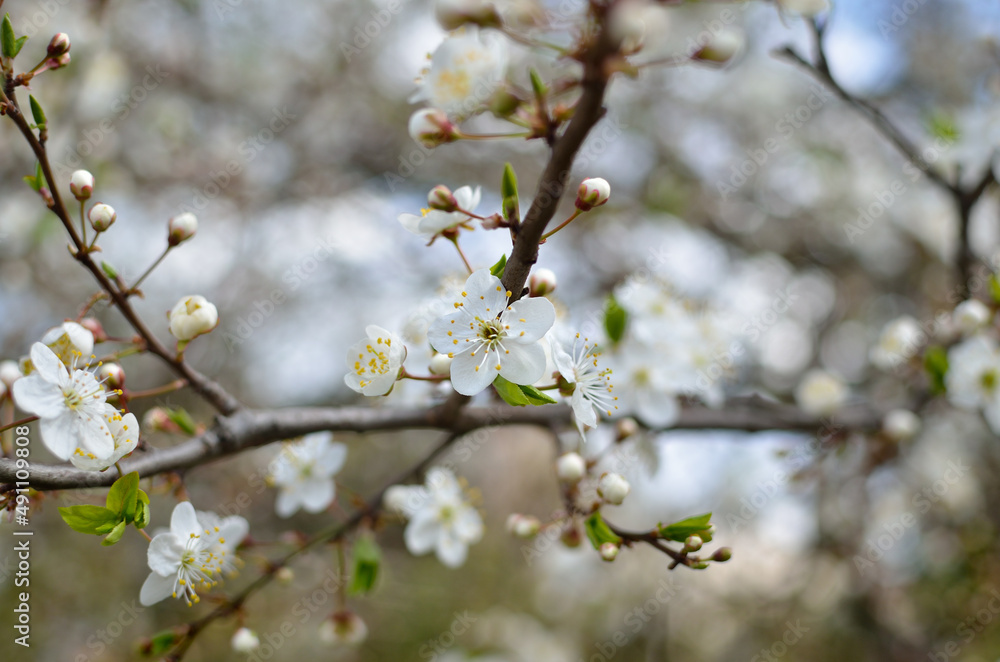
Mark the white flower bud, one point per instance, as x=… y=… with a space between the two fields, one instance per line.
x=593 y=192
x=442 y=199
x=81 y=183
x=284 y=575
x=541 y=282
x=571 y=468
x=111 y=374
x=613 y=488
x=181 y=228
x=901 y=424
x=245 y=641
x=693 y=544
x=972 y=315
x=9 y=373
x=344 y=628
x=820 y=393
x=59 y=45
x=493 y=222
x=626 y=427
x=431 y=127
x=523 y=526
x=101 y=216
x=721 y=48
x=158 y=419
x=96 y=329
x=441 y=364
x=806 y=8
x=191 y=317
x=609 y=551
x=628 y=25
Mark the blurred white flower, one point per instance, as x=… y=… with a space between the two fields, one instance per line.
x=820 y=393
x=901 y=424
x=971 y=316
x=466 y=71
x=244 y=640
x=374 y=362
x=899 y=341
x=304 y=471
x=431 y=127
x=181 y=228
x=973 y=377
x=433 y=221
x=441 y=520
x=571 y=468
x=343 y=628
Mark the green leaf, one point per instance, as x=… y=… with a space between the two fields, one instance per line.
x=942 y=125
x=936 y=364
x=367 y=557
x=32 y=182
x=498 y=268
x=142 y=513
x=536 y=397
x=37 y=112
x=8 y=42
x=692 y=526
x=161 y=643
x=89 y=519
x=508 y=189
x=598 y=532
x=519 y=395
x=183 y=420
x=994 y=286
x=537 y=85
x=19 y=44
x=615 y=320
x=109 y=271
x=115 y=535
x=123 y=495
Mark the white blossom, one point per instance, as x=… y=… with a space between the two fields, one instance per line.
x=973 y=377
x=304 y=471
x=244 y=640
x=899 y=341
x=971 y=316
x=592 y=387
x=125 y=431
x=431 y=222
x=180 y=559
x=181 y=228
x=70 y=341
x=222 y=536
x=431 y=127
x=820 y=393
x=465 y=72
x=441 y=520
x=901 y=424
x=374 y=362
x=571 y=468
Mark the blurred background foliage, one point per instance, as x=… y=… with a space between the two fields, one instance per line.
x=161 y=97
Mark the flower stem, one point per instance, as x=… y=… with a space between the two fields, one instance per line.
x=461 y=254
x=569 y=220
x=159 y=390
x=145 y=535
x=421 y=378
x=23 y=421
x=150 y=269
x=83 y=224
x=492 y=136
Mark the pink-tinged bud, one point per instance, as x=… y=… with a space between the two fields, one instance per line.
x=181 y=228
x=541 y=282
x=593 y=192
x=722 y=555
x=431 y=127
x=59 y=45
x=693 y=544
x=81 y=184
x=523 y=526
x=158 y=419
x=572 y=536
x=442 y=199
x=112 y=375
x=96 y=328
x=493 y=222
x=102 y=216
x=59 y=62
x=609 y=551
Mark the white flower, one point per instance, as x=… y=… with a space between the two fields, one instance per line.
x=593 y=192
x=442 y=520
x=101 y=216
x=404 y=500
x=433 y=221
x=804 y=7
x=181 y=228
x=613 y=488
x=571 y=468
x=304 y=471
x=191 y=317
x=343 y=628
x=486 y=337
x=180 y=560
x=820 y=393
x=69 y=403
x=69 y=341
x=81 y=183
x=899 y=341
x=222 y=536
x=971 y=316
x=523 y=526
x=649 y=391
x=431 y=127
x=244 y=640
x=901 y=424
x=592 y=386
x=466 y=70
x=125 y=431
x=375 y=362
x=973 y=377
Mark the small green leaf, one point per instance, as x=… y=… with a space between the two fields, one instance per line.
x=89 y=519
x=942 y=125
x=123 y=494
x=994 y=285
x=19 y=44
x=692 y=526
x=508 y=189
x=161 y=642
x=115 y=535
x=510 y=393
x=109 y=271
x=598 y=532
x=141 y=520
x=183 y=420
x=32 y=182
x=615 y=320
x=498 y=268
x=537 y=85
x=534 y=396
x=37 y=112
x=8 y=41
x=936 y=364
x=367 y=557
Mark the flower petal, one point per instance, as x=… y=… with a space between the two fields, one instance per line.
x=60 y=434
x=485 y=291
x=529 y=319
x=471 y=374
x=155 y=589
x=164 y=554
x=422 y=532
x=184 y=521
x=451 y=551
x=521 y=364
x=48 y=365
x=332 y=459
x=39 y=397
x=468 y=524
x=288 y=501
x=316 y=494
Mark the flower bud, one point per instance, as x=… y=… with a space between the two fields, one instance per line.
x=541 y=282
x=721 y=48
x=901 y=425
x=722 y=555
x=571 y=468
x=493 y=222
x=9 y=373
x=593 y=192
x=625 y=428
x=441 y=364
x=523 y=526
x=692 y=544
x=96 y=329
x=571 y=536
x=102 y=216
x=81 y=183
x=157 y=419
x=59 y=45
x=972 y=315
x=453 y=14
x=613 y=488
x=244 y=641
x=181 y=228
x=441 y=198
x=191 y=317
x=112 y=375
x=431 y=127
x=284 y=575
x=609 y=551
x=343 y=628
x=57 y=62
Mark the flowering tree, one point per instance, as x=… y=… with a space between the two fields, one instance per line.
x=498 y=349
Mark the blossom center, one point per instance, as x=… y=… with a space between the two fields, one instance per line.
x=491 y=331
